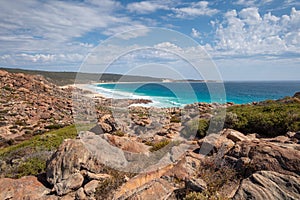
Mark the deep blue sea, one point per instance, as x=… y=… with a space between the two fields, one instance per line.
x=180 y=94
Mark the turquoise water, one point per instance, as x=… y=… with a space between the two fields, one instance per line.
x=180 y=94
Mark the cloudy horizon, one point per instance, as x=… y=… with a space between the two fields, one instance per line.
x=247 y=40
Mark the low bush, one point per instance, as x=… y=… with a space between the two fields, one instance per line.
x=54 y=126
x=32 y=166
x=175 y=119
x=35 y=151
x=159 y=145
x=269 y=118
x=195 y=128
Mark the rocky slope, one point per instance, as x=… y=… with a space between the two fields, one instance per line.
x=30 y=105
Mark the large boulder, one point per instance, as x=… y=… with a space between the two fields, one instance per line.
x=213 y=143
x=81 y=160
x=70 y=157
x=27 y=187
x=266 y=155
x=269 y=185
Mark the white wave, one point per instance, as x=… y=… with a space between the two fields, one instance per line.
x=161 y=102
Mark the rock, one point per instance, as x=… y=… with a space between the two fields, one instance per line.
x=196 y=184
x=27 y=187
x=215 y=142
x=80 y=195
x=93 y=176
x=90 y=187
x=107 y=123
x=269 y=185
x=297 y=95
x=91 y=153
x=106 y=128
x=139 y=182
x=271 y=156
x=73 y=182
x=67 y=160
x=297 y=135
x=235 y=135
x=127 y=144
x=156 y=189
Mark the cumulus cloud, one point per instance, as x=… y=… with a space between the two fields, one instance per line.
x=195 y=9
x=249 y=33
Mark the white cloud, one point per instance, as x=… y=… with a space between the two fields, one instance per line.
x=144 y=7
x=31 y=31
x=195 y=33
x=252 y=2
x=249 y=33
x=195 y=9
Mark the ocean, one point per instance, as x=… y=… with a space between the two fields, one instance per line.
x=180 y=93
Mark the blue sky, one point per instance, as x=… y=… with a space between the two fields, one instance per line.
x=247 y=39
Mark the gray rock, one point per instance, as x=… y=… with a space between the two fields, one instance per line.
x=269 y=185
x=72 y=183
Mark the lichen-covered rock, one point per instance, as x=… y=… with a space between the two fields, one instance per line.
x=269 y=185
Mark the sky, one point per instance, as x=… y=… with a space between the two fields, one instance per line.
x=246 y=39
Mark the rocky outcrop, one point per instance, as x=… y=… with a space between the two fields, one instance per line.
x=73 y=166
x=265 y=154
x=269 y=185
x=81 y=166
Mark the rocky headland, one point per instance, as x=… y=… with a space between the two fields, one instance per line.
x=134 y=152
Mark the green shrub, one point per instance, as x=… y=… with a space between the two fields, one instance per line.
x=105 y=187
x=195 y=196
x=20 y=123
x=204 y=196
x=54 y=126
x=195 y=128
x=175 y=119
x=269 y=118
x=119 y=133
x=40 y=145
x=6 y=87
x=32 y=166
x=159 y=145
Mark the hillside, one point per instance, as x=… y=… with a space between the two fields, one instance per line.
x=65 y=78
